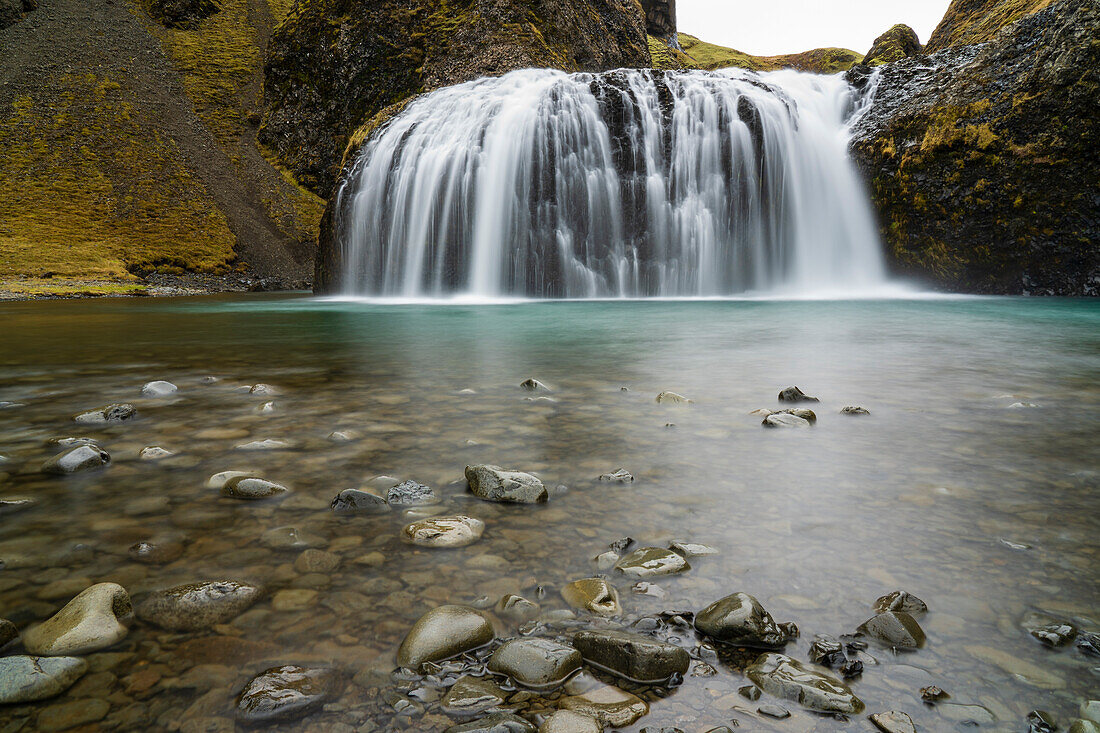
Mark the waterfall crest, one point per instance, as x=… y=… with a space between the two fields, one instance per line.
x=631 y=183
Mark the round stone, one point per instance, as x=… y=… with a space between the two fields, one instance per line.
x=535 y=662
x=80 y=458
x=250 y=488
x=88 y=622
x=457 y=530
x=740 y=619
x=442 y=633
x=158 y=389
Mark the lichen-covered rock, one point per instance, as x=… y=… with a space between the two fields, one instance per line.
x=977 y=158
x=898 y=43
x=88 y=622
x=444 y=632
x=335 y=64
x=197 y=606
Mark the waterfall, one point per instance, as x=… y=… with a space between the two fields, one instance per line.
x=630 y=183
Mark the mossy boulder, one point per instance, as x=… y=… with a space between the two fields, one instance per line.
x=982 y=159
x=898 y=43
x=335 y=64
x=976 y=21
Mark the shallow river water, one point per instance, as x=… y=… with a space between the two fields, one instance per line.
x=972 y=484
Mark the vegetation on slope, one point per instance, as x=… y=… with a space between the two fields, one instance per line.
x=703 y=55
x=976 y=21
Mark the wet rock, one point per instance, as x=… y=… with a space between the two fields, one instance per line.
x=785 y=420
x=900 y=600
x=249 y=488
x=495 y=723
x=26 y=679
x=156 y=552
x=341 y=436
x=354 y=501
x=535 y=662
x=1088 y=642
x=263 y=390
x=472 y=695
x=517 y=608
x=1090 y=710
x=749 y=692
x=932 y=693
x=316 y=561
x=781 y=676
x=80 y=458
x=494 y=483
x=1040 y=721
x=1083 y=726
x=774 y=711
x=442 y=633
x=606 y=560
x=219 y=480
x=411 y=493
x=619 y=476
x=644 y=588
x=88 y=622
x=8 y=632
x=808 y=415
x=794 y=394
x=893 y=722
x=293 y=599
x=567 y=721
x=14 y=505
x=1054 y=634
x=154 y=453
x=158 y=389
x=265 y=444
x=633 y=656
x=827 y=652
x=197 y=606
x=968 y=715
x=854 y=410
x=534 y=385
x=609 y=705
x=646 y=562
x=68 y=715
x=739 y=619
x=894 y=628
x=671 y=398
x=287 y=693
x=595 y=595
x=108 y=414
x=691 y=549
x=457 y=530
x=621 y=544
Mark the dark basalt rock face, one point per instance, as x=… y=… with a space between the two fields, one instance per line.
x=182 y=13
x=335 y=64
x=900 y=42
x=981 y=159
x=660 y=20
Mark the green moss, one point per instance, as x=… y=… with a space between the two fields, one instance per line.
x=666 y=57
x=704 y=55
x=64 y=288
x=977 y=21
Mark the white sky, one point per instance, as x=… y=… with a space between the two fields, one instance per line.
x=772 y=27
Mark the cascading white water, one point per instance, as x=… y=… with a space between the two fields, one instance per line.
x=631 y=183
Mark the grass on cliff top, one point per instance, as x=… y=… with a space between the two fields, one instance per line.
x=703 y=55
x=91 y=189
x=970 y=21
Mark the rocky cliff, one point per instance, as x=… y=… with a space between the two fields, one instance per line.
x=967 y=22
x=334 y=64
x=983 y=159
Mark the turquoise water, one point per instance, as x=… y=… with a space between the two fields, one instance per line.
x=933 y=492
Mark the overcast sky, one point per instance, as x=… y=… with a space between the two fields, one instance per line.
x=771 y=27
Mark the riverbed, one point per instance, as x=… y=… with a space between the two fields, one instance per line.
x=971 y=484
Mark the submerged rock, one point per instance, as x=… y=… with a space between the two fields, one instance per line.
x=894 y=628
x=494 y=483
x=88 y=622
x=647 y=562
x=517 y=608
x=534 y=385
x=595 y=595
x=158 y=389
x=567 y=721
x=672 y=398
x=781 y=676
x=247 y=487
x=265 y=444
x=900 y=600
x=8 y=632
x=157 y=552
x=458 y=530
x=785 y=420
x=794 y=394
x=154 y=453
x=739 y=619
x=692 y=549
x=893 y=722
x=80 y=458
x=197 y=606
x=27 y=679
x=287 y=693
x=15 y=504
x=854 y=410
x=411 y=493
x=442 y=633
x=609 y=705
x=472 y=695
x=219 y=480
x=290 y=538
x=620 y=476
x=355 y=501
x=633 y=656
x=495 y=723
x=535 y=662
x=109 y=414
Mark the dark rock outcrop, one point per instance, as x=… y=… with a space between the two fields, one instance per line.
x=660 y=20
x=900 y=42
x=981 y=158
x=182 y=13
x=977 y=21
x=335 y=64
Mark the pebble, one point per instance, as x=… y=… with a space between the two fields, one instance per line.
x=266 y=444
x=156 y=552
x=619 y=476
x=154 y=453
x=316 y=561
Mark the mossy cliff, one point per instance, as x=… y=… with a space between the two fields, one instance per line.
x=977 y=21
x=334 y=64
x=128 y=148
x=983 y=159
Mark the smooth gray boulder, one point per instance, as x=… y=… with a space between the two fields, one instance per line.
x=494 y=483
x=535 y=662
x=27 y=679
x=646 y=562
x=197 y=606
x=88 y=622
x=739 y=619
x=632 y=656
x=287 y=693
x=80 y=458
x=108 y=414
x=457 y=530
x=894 y=628
x=781 y=676
x=442 y=633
